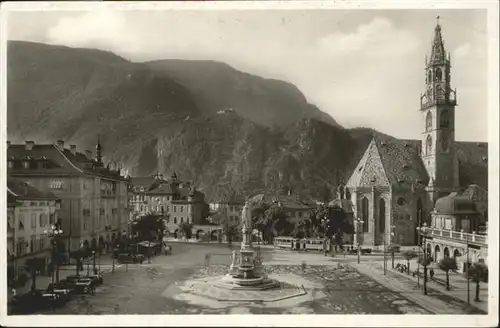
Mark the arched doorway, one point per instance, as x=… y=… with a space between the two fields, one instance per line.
x=200 y=233
x=381 y=217
x=437 y=254
x=446 y=253
x=214 y=234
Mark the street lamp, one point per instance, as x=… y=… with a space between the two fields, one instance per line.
x=358 y=222
x=422 y=231
x=54 y=232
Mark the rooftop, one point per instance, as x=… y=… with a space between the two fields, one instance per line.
x=20 y=190
x=54 y=159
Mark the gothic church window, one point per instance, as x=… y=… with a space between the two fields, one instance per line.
x=428 y=122
x=429 y=76
x=365 y=213
x=381 y=216
x=438 y=75
x=428 y=145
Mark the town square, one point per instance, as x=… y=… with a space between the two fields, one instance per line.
x=149 y=173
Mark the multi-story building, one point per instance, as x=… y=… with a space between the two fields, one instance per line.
x=229 y=208
x=458 y=228
x=29 y=213
x=93 y=197
x=177 y=201
x=397 y=182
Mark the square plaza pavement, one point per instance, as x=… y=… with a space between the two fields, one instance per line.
x=163 y=287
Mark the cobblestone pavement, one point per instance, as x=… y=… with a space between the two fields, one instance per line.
x=139 y=291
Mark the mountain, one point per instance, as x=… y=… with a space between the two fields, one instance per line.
x=217 y=86
x=221 y=128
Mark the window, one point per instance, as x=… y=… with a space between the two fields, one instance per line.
x=167 y=220
x=175 y=220
x=444 y=119
x=299 y=214
x=439 y=75
x=429 y=76
x=365 y=214
x=428 y=145
x=428 y=122
x=381 y=215
x=182 y=208
x=168 y=208
x=33 y=221
x=175 y=209
x=182 y=220
x=26 y=164
x=21 y=247
x=55 y=184
x=33 y=244
x=42 y=243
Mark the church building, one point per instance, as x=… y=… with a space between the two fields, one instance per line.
x=395 y=186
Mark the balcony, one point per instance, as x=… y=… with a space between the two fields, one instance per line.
x=458 y=236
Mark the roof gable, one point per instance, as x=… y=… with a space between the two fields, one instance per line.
x=370 y=169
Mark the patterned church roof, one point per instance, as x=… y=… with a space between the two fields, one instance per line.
x=388 y=160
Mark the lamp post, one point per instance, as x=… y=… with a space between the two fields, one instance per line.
x=423 y=233
x=358 y=222
x=54 y=232
x=93 y=261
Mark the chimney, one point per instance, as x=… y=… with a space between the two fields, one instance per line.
x=8 y=144
x=88 y=154
x=72 y=148
x=29 y=145
x=60 y=144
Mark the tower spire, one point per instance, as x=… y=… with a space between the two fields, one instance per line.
x=98 y=151
x=437 y=54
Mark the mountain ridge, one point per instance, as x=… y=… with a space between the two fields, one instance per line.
x=155 y=117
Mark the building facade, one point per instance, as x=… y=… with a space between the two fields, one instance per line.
x=29 y=213
x=396 y=183
x=94 y=201
x=176 y=201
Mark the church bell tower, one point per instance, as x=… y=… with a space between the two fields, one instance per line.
x=437 y=106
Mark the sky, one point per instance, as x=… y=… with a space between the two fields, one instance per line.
x=363 y=67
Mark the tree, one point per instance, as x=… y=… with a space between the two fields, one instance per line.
x=148 y=226
x=230 y=230
x=187 y=229
x=476 y=273
x=408 y=256
x=334 y=223
x=447 y=265
x=34 y=265
x=278 y=220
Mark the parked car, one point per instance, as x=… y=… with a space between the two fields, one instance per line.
x=97 y=279
x=80 y=285
x=125 y=258
x=30 y=302
x=138 y=258
x=61 y=288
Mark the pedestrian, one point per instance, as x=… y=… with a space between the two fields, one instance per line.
x=431 y=273
x=207 y=259
x=324 y=247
